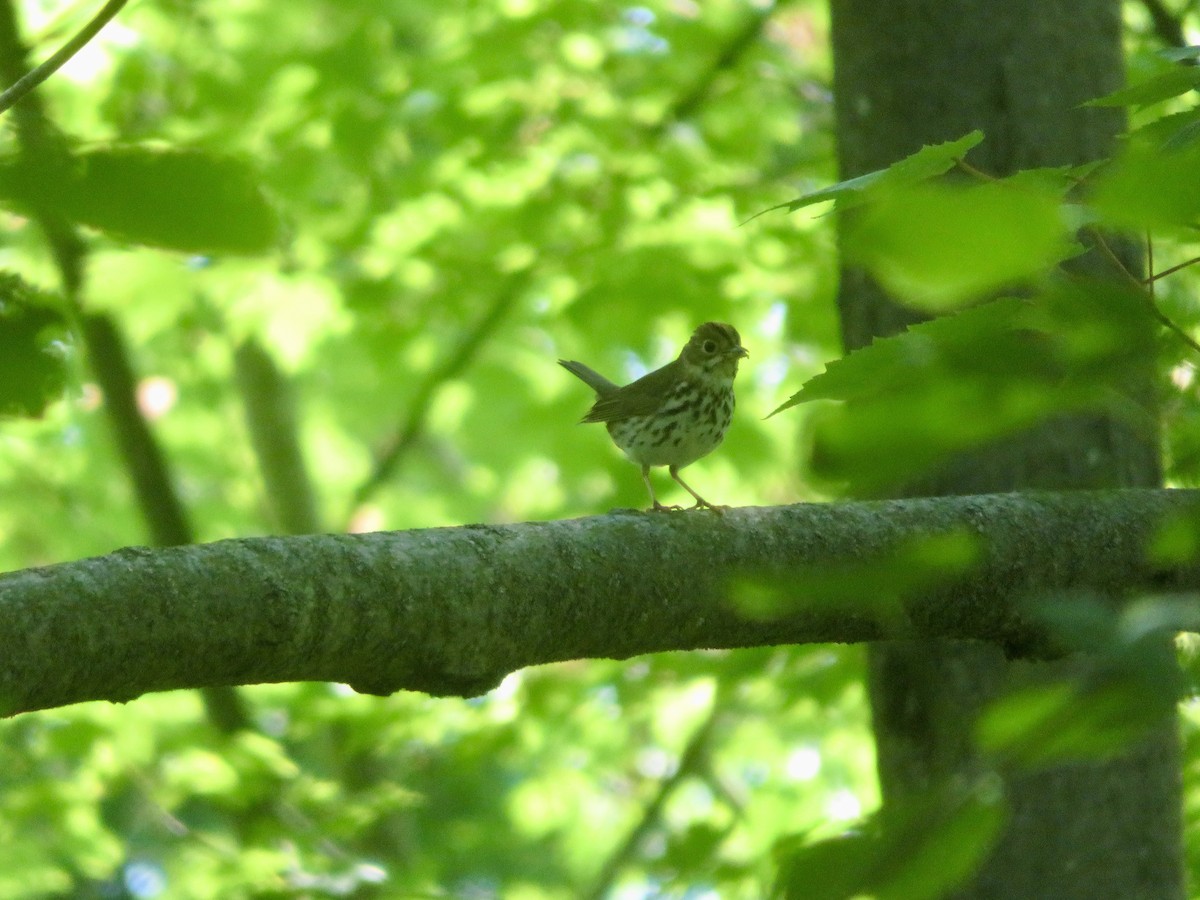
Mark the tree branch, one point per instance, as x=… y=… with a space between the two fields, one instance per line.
x=36 y=76
x=405 y=436
x=451 y=611
x=1167 y=25
x=41 y=147
x=274 y=433
x=693 y=758
x=156 y=495
x=731 y=54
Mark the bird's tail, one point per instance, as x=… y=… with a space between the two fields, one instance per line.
x=593 y=379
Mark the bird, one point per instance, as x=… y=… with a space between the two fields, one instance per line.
x=674 y=415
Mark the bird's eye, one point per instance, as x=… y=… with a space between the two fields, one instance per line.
x=710 y=346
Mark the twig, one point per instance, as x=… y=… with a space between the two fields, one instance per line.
x=36 y=76
x=1167 y=25
x=690 y=762
x=157 y=499
x=728 y=58
x=1114 y=259
x=1149 y=279
x=972 y=171
x=1162 y=317
x=406 y=434
x=1172 y=270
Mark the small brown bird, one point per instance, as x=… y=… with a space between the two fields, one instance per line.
x=674 y=415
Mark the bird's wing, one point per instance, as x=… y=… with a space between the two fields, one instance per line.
x=640 y=398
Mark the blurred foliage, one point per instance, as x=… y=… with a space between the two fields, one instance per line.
x=919 y=848
x=414 y=209
x=33 y=347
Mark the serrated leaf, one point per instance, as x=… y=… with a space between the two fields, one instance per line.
x=958 y=382
x=1148 y=186
x=877 y=368
x=928 y=162
x=937 y=246
x=1163 y=86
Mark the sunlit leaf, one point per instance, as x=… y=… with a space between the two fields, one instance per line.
x=1148 y=186
x=958 y=381
x=1167 y=84
x=1176 y=541
x=1122 y=685
x=937 y=246
x=931 y=160
x=1041 y=726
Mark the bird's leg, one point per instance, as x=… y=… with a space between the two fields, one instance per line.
x=701 y=503
x=657 y=507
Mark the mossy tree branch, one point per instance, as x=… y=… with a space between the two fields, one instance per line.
x=452 y=610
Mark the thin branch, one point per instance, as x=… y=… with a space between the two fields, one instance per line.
x=729 y=57
x=274 y=434
x=1148 y=281
x=39 y=145
x=36 y=76
x=142 y=455
x=1172 y=270
x=406 y=434
x=1161 y=316
x=972 y=171
x=1112 y=257
x=691 y=762
x=451 y=611
x=1167 y=25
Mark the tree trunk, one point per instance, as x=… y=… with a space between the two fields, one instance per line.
x=914 y=72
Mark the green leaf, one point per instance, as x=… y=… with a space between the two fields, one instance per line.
x=937 y=246
x=957 y=382
x=184 y=200
x=1061 y=722
x=874 y=584
x=919 y=848
x=1163 y=86
x=1123 y=682
x=32 y=369
x=176 y=199
x=928 y=347
x=1149 y=186
x=833 y=869
x=928 y=162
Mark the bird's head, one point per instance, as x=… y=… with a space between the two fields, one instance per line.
x=715 y=349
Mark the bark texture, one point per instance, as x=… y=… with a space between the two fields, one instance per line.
x=453 y=610
x=915 y=72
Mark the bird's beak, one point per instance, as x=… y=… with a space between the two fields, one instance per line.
x=739 y=352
